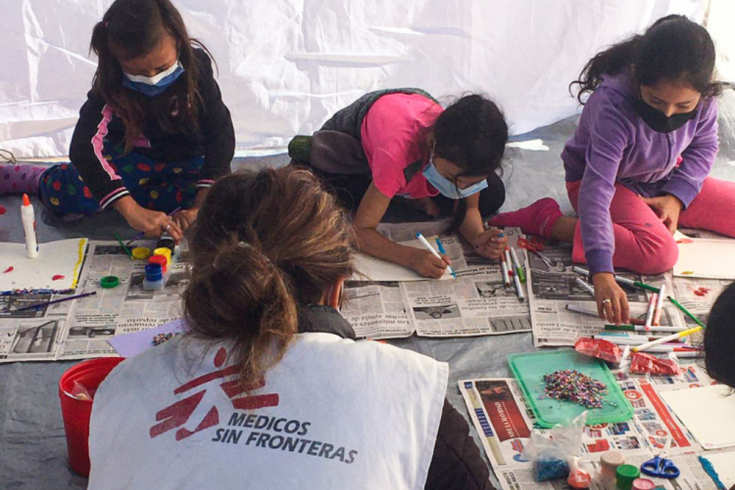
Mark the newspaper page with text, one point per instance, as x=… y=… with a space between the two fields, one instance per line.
x=505 y=424
x=475 y=303
x=552 y=287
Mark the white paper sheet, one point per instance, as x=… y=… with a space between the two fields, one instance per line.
x=708 y=413
x=56 y=269
x=369 y=268
x=724 y=465
x=705 y=257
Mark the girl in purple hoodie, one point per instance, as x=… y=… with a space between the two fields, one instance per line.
x=638 y=165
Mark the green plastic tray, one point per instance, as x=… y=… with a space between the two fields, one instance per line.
x=529 y=369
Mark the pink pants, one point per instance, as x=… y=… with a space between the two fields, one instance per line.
x=642 y=243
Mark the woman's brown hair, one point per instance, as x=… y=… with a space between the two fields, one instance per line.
x=266 y=243
x=133 y=28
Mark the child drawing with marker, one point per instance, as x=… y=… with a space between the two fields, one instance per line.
x=401 y=144
x=154 y=133
x=638 y=165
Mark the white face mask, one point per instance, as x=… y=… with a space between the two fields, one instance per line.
x=157 y=78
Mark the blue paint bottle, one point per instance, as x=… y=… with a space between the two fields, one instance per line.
x=154 y=280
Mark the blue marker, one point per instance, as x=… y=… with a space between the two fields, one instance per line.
x=442 y=251
x=426 y=244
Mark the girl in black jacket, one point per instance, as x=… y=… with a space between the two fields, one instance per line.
x=154 y=133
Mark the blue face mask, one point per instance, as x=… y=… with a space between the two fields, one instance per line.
x=448 y=188
x=153 y=86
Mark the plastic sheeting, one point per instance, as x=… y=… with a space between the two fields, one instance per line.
x=286 y=65
x=32 y=443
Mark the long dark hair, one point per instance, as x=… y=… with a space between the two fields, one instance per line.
x=719 y=338
x=266 y=243
x=130 y=29
x=673 y=48
x=471 y=133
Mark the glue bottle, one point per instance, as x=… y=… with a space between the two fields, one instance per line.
x=28 y=218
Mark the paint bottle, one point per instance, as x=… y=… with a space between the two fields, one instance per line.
x=609 y=464
x=165 y=252
x=153 y=277
x=166 y=242
x=626 y=474
x=28 y=218
x=643 y=484
x=160 y=260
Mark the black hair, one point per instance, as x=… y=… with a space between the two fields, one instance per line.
x=719 y=339
x=673 y=48
x=471 y=133
x=133 y=28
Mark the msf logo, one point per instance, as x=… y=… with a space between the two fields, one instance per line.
x=176 y=415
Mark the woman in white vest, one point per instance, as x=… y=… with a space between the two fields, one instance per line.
x=269 y=389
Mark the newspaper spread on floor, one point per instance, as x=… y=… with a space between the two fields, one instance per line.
x=552 y=288
x=505 y=423
x=80 y=329
x=696 y=294
x=380 y=305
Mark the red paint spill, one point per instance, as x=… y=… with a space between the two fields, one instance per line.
x=57 y=277
x=2 y=210
x=9 y=269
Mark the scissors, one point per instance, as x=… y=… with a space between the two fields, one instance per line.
x=660 y=466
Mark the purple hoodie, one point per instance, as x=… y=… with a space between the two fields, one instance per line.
x=612 y=145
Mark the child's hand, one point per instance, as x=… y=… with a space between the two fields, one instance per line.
x=153 y=223
x=427 y=264
x=612 y=302
x=667 y=208
x=185 y=218
x=490 y=243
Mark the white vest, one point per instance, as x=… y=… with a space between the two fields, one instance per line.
x=333 y=414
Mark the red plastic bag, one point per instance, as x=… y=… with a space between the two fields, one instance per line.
x=643 y=363
x=601 y=349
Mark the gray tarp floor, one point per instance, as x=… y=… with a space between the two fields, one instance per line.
x=32 y=441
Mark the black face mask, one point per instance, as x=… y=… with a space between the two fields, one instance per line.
x=660 y=122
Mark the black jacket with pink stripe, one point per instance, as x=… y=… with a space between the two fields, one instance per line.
x=215 y=138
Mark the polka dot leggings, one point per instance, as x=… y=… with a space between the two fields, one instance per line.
x=162 y=186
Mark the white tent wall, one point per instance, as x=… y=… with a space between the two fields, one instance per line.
x=286 y=65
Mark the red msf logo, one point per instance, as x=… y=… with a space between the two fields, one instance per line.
x=177 y=414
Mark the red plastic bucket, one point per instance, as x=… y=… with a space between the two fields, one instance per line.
x=76 y=413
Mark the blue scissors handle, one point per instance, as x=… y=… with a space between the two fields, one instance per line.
x=660 y=467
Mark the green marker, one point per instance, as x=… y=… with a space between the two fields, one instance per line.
x=642 y=328
x=646 y=286
x=127 y=251
x=686 y=312
x=623 y=281
x=517 y=264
